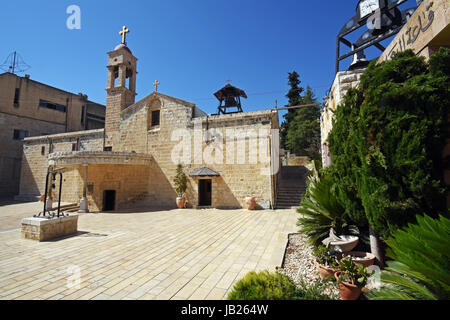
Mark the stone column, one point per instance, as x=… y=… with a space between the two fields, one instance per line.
x=122 y=76
x=49 y=200
x=84 y=207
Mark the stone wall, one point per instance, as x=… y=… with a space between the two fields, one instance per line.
x=426 y=30
x=129 y=181
x=343 y=81
x=236 y=181
x=243 y=171
x=152 y=185
x=35 y=156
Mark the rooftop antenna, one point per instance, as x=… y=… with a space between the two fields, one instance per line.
x=14 y=64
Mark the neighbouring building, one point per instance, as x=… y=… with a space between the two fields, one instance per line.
x=29 y=108
x=425 y=32
x=132 y=161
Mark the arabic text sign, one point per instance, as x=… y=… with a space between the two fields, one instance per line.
x=428 y=20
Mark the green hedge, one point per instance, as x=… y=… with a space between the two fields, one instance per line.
x=275 y=286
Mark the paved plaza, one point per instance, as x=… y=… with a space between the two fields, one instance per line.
x=175 y=254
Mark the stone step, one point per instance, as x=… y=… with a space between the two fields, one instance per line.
x=291 y=192
x=286 y=207
x=297 y=189
x=292 y=188
x=296 y=201
x=290 y=196
x=288 y=204
x=65 y=207
x=289 y=200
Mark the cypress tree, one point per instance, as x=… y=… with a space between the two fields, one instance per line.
x=387 y=142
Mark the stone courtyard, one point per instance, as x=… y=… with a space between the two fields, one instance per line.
x=175 y=254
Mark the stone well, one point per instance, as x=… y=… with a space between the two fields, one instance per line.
x=42 y=229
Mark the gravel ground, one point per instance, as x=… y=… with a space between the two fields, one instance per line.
x=299 y=263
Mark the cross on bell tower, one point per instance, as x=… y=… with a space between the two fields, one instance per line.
x=123 y=33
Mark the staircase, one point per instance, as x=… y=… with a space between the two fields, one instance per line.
x=67 y=208
x=292 y=187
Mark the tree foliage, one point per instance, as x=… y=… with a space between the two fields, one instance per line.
x=300 y=132
x=387 y=142
x=294 y=97
x=303 y=134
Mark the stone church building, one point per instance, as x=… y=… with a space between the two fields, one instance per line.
x=132 y=161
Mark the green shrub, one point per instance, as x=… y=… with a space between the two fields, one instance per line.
x=264 y=286
x=326 y=256
x=320 y=211
x=420 y=269
x=275 y=286
x=387 y=142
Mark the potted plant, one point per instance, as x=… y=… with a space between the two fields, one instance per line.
x=351 y=278
x=250 y=202
x=180 y=182
x=326 y=261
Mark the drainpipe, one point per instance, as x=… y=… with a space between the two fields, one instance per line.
x=67 y=114
x=271 y=176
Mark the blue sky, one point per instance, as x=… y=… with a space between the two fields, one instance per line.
x=190 y=46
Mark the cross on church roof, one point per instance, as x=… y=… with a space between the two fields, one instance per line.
x=123 y=33
x=156 y=84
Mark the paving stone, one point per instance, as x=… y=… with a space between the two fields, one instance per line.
x=175 y=254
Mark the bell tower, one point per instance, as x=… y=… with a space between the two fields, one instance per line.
x=230 y=98
x=121 y=89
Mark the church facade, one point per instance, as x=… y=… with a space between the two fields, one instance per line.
x=132 y=161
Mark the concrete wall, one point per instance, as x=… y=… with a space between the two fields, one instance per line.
x=11 y=150
x=31 y=92
x=27 y=115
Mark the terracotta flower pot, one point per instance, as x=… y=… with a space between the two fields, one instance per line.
x=325 y=272
x=181 y=202
x=250 y=202
x=347 y=290
x=365 y=258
